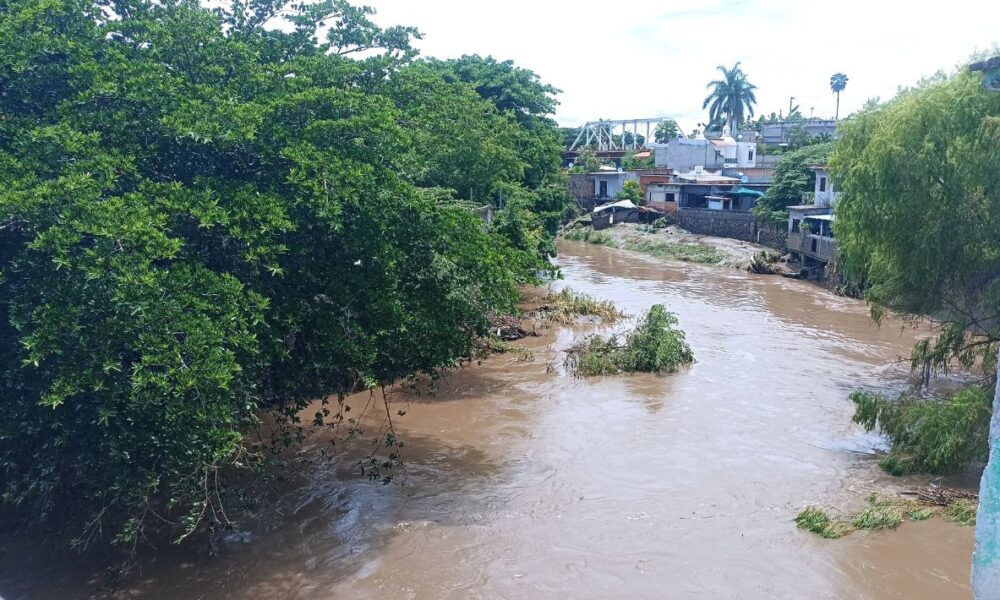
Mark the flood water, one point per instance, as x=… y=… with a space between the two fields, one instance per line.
x=522 y=481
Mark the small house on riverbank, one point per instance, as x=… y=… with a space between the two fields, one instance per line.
x=810 y=226
x=607 y=184
x=606 y=215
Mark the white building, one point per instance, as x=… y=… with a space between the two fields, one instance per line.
x=724 y=153
x=607 y=184
x=823 y=193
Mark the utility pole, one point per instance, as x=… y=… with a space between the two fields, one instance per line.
x=790 y=100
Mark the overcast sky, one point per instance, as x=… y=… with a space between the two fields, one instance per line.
x=652 y=58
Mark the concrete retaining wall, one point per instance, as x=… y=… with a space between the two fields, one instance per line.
x=737 y=225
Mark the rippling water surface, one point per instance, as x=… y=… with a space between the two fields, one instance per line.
x=524 y=482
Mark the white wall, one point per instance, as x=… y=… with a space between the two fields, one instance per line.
x=828 y=196
x=615 y=182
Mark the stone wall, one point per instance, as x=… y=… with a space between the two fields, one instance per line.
x=581 y=186
x=737 y=225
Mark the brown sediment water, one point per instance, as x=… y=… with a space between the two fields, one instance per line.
x=522 y=481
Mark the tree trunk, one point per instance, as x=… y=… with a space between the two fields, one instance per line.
x=986 y=558
x=836 y=115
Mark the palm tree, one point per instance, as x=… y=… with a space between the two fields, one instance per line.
x=837 y=83
x=732 y=96
x=665 y=131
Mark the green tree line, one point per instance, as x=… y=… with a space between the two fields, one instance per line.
x=918 y=223
x=211 y=213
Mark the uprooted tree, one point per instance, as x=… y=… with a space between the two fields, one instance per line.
x=918 y=220
x=203 y=217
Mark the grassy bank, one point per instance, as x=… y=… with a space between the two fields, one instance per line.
x=692 y=253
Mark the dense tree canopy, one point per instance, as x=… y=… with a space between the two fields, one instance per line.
x=201 y=217
x=919 y=219
x=793 y=176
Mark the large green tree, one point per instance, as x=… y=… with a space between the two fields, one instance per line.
x=793 y=176
x=918 y=218
x=517 y=92
x=202 y=217
x=731 y=97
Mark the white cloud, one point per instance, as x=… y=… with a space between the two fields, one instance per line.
x=648 y=58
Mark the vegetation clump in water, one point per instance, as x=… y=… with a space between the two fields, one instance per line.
x=692 y=253
x=883 y=512
x=655 y=345
x=566 y=305
x=962 y=512
x=586 y=234
x=819 y=522
x=928 y=435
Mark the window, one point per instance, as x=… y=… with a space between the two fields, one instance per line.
x=603 y=189
x=795 y=225
x=814 y=246
x=750 y=155
x=822 y=184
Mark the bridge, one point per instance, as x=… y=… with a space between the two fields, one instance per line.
x=616 y=135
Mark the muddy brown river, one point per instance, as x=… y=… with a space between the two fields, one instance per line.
x=522 y=481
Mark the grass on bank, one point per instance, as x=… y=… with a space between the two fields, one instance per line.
x=586 y=234
x=655 y=345
x=882 y=512
x=692 y=253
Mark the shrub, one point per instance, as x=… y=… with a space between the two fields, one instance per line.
x=928 y=435
x=654 y=346
x=585 y=234
x=662 y=223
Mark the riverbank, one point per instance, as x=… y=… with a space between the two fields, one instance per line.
x=673 y=243
x=521 y=480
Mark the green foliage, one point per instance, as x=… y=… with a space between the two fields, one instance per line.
x=693 y=253
x=928 y=435
x=666 y=130
x=630 y=191
x=631 y=163
x=730 y=99
x=586 y=161
x=655 y=345
x=918 y=214
x=881 y=513
x=585 y=234
x=203 y=218
x=566 y=305
x=519 y=94
x=817 y=521
x=962 y=512
x=792 y=178
x=838 y=81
